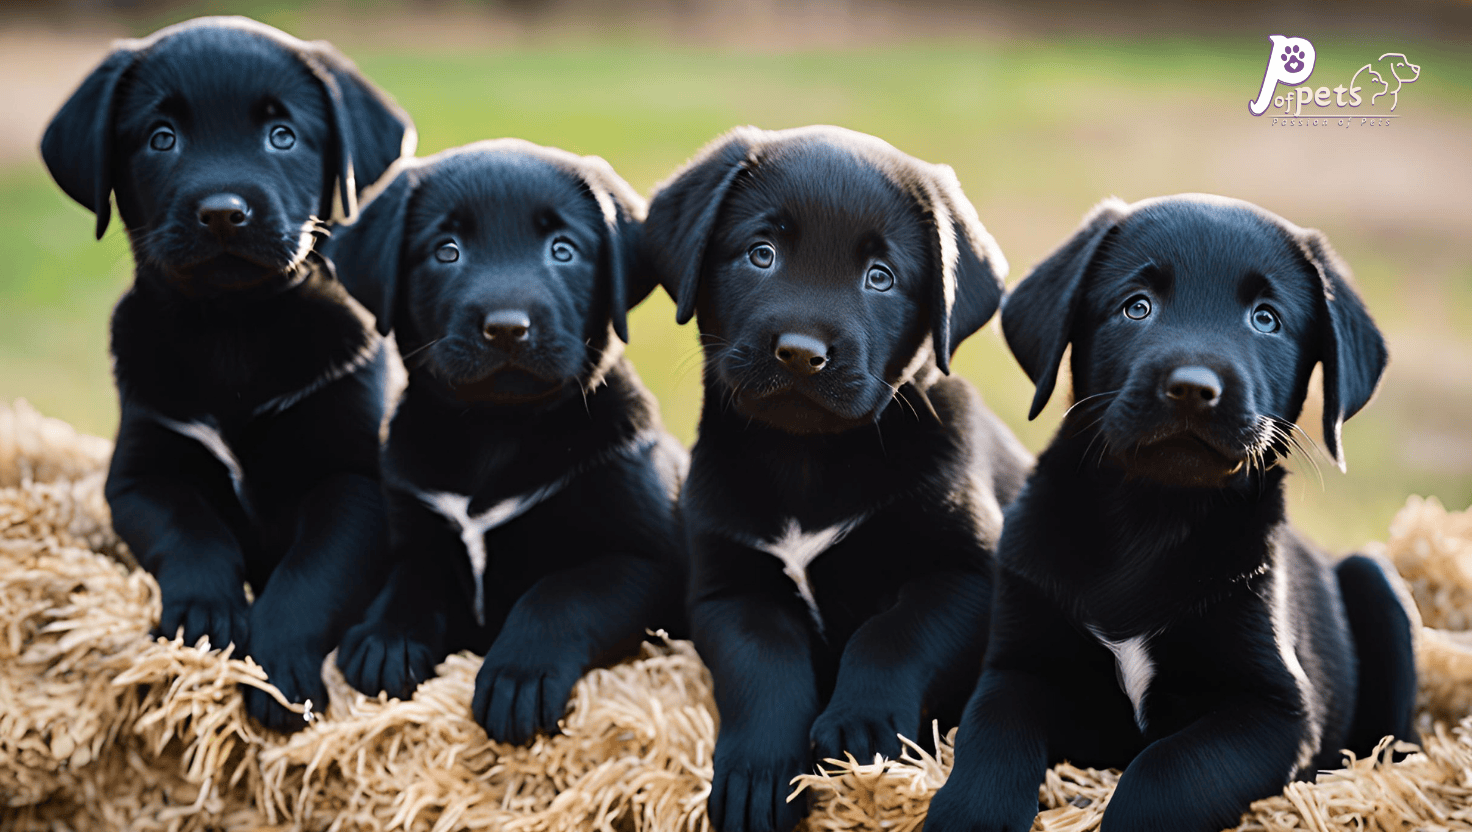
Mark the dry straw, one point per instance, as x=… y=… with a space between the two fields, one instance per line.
x=102 y=727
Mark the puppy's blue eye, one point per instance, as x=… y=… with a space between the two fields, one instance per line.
x=162 y=139
x=1137 y=308
x=562 y=250
x=447 y=253
x=1265 y=320
x=879 y=279
x=762 y=255
x=282 y=138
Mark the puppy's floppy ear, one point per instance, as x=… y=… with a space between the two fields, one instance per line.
x=1351 y=347
x=371 y=131
x=623 y=215
x=682 y=215
x=368 y=253
x=1037 y=315
x=77 y=145
x=972 y=268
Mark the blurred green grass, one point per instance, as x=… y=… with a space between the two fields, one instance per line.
x=1026 y=123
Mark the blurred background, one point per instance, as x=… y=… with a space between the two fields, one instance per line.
x=1042 y=112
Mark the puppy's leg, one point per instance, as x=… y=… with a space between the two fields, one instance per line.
x=758 y=639
x=332 y=568
x=407 y=629
x=565 y=623
x=1038 y=672
x=930 y=641
x=1202 y=778
x=1382 y=630
x=173 y=503
x=1001 y=756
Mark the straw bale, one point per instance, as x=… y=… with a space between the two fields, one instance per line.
x=103 y=726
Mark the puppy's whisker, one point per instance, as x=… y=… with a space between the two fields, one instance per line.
x=1084 y=457
x=688 y=363
x=417 y=350
x=898 y=395
x=1089 y=398
x=1103 y=451
x=1279 y=425
x=1301 y=432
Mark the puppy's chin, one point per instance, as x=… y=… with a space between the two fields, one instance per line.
x=228 y=273
x=795 y=412
x=508 y=385
x=1182 y=460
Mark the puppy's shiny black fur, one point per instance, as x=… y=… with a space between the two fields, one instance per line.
x=844 y=495
x=505 y=271
x=1154 y=610
x=251 y=384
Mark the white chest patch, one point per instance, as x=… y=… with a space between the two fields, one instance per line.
x=1133 y=669
x=797 y=549
x=207 y=433
x=473 y=527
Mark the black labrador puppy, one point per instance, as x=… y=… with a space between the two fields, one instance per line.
x=1154 y=609
x=845 y=494
x=530 y=485
x=251 y=384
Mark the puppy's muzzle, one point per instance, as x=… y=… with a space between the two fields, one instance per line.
x=1192 y=390
x=224 y=214
x=802 y=355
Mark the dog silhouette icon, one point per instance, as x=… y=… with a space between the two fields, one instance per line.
x=1394 y=71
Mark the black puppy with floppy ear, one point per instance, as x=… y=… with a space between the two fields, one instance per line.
x=1154 y=609
x=529 y=482
x=251 y=384
x=844 y=495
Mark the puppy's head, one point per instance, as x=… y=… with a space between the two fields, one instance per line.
x=827 y=269
x=501 y=266
x=1195 y=322
x=229 y=144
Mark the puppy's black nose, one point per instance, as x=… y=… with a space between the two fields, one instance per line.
x=804 y=355
x=223 y=213
x=508 y=329
x=1193 y=388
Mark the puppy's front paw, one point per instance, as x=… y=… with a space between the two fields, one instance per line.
x=863 y=729
x=955 y=809
x=221 y=618
x=297 y=673
x=377 y=656
x=749 y=791
x=517 y=697
x=291 y=653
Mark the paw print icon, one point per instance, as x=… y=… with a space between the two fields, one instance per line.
x=1293 y=58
